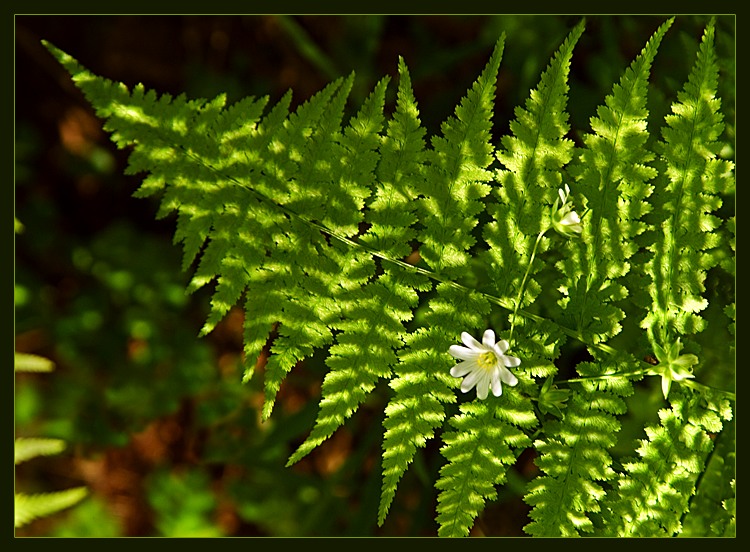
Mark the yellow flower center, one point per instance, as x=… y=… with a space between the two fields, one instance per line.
x=487 y=360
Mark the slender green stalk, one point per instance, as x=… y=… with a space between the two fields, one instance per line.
x=523 y=283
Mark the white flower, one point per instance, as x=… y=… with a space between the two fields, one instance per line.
x=564 y=219
x=484 y=365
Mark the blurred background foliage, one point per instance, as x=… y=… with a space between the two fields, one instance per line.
x=159 y=427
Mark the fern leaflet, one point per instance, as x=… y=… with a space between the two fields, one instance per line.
x=452 y=187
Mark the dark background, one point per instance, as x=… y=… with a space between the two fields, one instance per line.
x=160 y=429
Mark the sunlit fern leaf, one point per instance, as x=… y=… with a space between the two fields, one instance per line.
x=486 y=437
x=25 y=362
x=29 y=507
x=332 y=232
x=574 y=452
x=365 y=348
x=453 y=185
x=715 y=491
x=685 y=244
x=533 y=156
x=26 y=448
x=610 y=176
x=652 y=494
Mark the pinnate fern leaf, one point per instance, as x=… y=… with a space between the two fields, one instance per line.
x=486 y=437
x=611 y=177
x=26 y=448
x=533 y=156
x=574 y=452
x=334 y=232
x=454 y=183
x=29 y=507
x=355 y=367
x=685 y=244
x=652 y=494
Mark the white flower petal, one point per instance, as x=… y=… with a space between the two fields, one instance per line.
x=464 y=353
x=508 y=377
x=491 y=372
x=482 y=389
x=463 y=368
x=470 y=342
x=488 y=338
x=570 y=219
x=471 y=380
x=511 y=361
x=500 y=347
x=562 y=196
x=497 y=387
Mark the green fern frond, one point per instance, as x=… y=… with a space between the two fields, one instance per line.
x=26 y=448
x=684 y=244
x=360 y=239
x=611 y=176
x=453 y=186
x=487 y=437
x=712 y=505
x=652 y=494
x=30 y=507
x=25 y=362
x=574 y=453
x=365 y=349
x=532 y=156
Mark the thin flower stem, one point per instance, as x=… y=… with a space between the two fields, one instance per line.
x=523 y=284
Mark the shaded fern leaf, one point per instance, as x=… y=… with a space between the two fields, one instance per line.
x=533 y=157
x=487 y=437
x=652 y=494
x=573 y=452
x=611 y=176
x=685 y=243
x=451 y=190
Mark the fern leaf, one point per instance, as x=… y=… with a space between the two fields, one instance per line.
x=30 y=447
x=453 y=185
x=573 y=453
x=245 y=206
x=30 y=507
x=532 y=156
x=653 y=492
x=25 y=362
x=611 y=174
x=369 y=335
x=684 y=245
x=710 y=508
x=487 y=436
